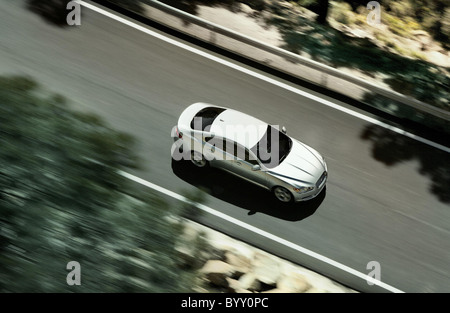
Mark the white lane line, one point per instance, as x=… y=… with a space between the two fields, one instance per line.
x=262 y=232
x=262 y=77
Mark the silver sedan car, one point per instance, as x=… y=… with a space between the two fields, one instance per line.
x=236 y=142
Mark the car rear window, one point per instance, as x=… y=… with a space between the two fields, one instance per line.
x=205 y=117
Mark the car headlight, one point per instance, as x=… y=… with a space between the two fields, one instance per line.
x=302 y=189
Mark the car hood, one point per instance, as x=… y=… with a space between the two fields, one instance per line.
x=303 y=165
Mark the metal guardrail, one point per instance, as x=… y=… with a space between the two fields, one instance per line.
x=409 y=101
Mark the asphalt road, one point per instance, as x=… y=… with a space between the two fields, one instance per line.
x=385 y=196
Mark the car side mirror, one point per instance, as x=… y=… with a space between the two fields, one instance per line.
x=256 y=167
x=283 y=130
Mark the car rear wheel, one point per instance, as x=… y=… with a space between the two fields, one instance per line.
x=282 y=194
x=198 y=159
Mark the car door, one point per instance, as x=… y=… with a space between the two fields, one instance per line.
x=243 y=164
x=215 y=151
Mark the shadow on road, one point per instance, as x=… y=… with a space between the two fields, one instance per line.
x=392 y=148
x=243 y=194
x=53 y=11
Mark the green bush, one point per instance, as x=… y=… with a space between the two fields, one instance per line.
x=400 y=26
x=61 y=200
x=401 y=9
x=342 y=13
x=306 y=3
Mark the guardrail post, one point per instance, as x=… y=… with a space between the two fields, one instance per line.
x=212 y=36
x=324 y=80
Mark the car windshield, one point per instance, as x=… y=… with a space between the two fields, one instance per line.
x=273 y=147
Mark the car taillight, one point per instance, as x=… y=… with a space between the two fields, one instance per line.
x=179 y=134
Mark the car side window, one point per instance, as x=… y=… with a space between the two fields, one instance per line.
x=218 y=146
x=242 y=153
x=249 y=158
x=227 y=146
x=232 y=148
x=215 y=141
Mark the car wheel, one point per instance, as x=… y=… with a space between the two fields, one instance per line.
x=198 y=159
x=282 y=194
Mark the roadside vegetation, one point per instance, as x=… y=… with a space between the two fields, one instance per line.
x=398 y=53
x=62 y=200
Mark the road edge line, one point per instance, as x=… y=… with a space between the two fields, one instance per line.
x=261 y=232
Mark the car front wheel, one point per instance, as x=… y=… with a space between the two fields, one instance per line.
x=282 y=194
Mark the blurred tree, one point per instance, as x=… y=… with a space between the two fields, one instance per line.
x=322 y=11
x=62 y=200
x=357 y=3
x=320 y=7
x=431 y=14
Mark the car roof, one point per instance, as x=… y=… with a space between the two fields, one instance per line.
x=242 y=128
x=230 y=124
